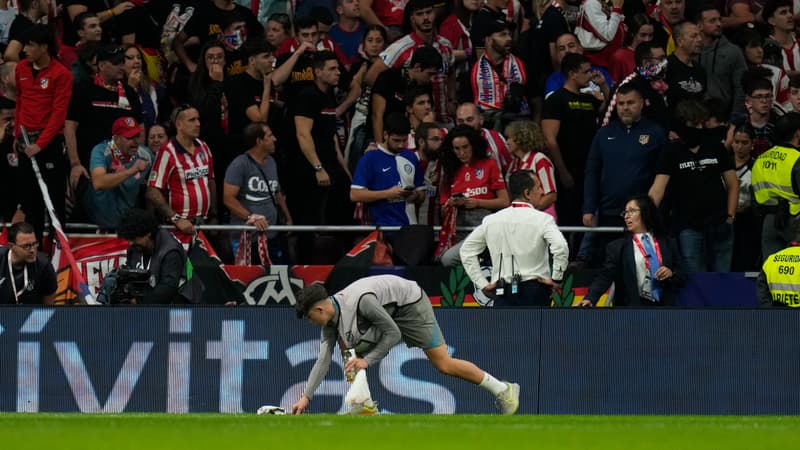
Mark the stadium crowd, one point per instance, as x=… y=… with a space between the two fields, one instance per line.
x=395 y=112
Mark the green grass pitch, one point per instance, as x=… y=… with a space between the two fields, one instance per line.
x=413 y=432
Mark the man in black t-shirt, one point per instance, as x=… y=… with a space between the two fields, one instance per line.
x=26 y=277
x=392 y=84
x=569 y=122
x=685 y=77
x=207 y=23
x=96 y=103
x=111 y=14
x=249 y=93
x=29 y=11
x=704 y=192
x=318 y=191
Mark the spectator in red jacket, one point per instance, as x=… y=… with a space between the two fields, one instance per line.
x=44 y=89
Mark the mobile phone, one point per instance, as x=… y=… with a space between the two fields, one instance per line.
x=408 y=188
x=458 y=195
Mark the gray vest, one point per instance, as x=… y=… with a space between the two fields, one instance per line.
x=392 y=292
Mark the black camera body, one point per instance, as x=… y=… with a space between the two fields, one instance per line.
x=123 y=284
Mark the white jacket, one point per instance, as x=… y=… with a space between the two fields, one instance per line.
x=591 y=17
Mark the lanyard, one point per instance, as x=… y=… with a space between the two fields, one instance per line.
x=644 y=253
x=17 y=293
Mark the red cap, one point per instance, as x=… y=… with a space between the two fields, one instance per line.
x=126 y=127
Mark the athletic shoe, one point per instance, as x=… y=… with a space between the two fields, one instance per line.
x=368 y=408
x=508 y=400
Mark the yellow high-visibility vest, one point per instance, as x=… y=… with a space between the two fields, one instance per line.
x=782 y=270
x=772 y=178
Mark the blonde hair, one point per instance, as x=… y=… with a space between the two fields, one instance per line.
x=526 y=134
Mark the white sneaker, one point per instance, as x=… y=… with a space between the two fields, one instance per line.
x=508 y=400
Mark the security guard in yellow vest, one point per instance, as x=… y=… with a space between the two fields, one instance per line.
x=779 y=280
x=776 y=184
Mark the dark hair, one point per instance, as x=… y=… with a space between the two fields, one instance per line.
x=519 y=182
x=746 y=37
x=301 y=23
x=256 y=46
x=697 y=16
x=691 y=111
x=754 y=82
x=422 y=130
x=785 y=128
x=378 y=28
x=24 y=5
x=572 y=63
x=627 y=88
x=635 y=23
x=414 y=92
x=644 y=50
x=794 y=82
x=283 y=19
x=199 y=80
x=648 y=211
x=416 y=5
x=396 y=124
x=41 y=34
x=568 y=33
x=252 y=133
x=772 y=5
x=321 y=14
x=17 y=228
x=449 y=160
x=6 y=103
x=308 y=297
x=321 y=57
x=80 y=20
x=426 y=57
x=747 y=129
x=136 y=223
x=717 y=109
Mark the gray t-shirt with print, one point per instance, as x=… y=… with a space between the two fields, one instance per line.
x=255 y=192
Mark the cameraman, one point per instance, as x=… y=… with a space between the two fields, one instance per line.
x=158 y=252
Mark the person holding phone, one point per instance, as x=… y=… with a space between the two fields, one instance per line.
x=472 y=188
x=389 y=181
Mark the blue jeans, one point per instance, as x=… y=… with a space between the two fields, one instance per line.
x=707 y=250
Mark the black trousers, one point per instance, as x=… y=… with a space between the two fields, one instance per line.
x=530 y=293
x=53 y=167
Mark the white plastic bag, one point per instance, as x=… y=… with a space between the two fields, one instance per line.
x=358 y=394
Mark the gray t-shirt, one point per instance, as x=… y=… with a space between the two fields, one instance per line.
x=255 y=193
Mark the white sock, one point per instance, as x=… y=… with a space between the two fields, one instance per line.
x=492 y=384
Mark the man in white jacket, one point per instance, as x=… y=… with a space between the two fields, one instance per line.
x=520 y=239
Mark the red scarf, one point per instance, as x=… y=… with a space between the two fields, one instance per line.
x=123 y=99
x=447 y=235
x=490 y=90
x=244 y=256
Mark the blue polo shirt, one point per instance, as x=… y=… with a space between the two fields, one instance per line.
x=379 y=170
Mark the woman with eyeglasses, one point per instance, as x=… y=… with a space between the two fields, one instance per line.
x=278 y=29
x=472 y=188
x=644 y=265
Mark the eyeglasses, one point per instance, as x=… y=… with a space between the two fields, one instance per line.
x=29 y=246
x=629 y=212
x=215 y=57
x=762 y=98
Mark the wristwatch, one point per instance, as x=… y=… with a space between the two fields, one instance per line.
x=317 y=167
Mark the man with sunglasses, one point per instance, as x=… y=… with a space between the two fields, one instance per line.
x=26 y=277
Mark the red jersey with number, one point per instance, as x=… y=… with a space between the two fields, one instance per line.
x=185 y=176
x=478 y=180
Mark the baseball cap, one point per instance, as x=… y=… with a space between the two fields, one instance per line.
x=126 y=127
x=115 y=55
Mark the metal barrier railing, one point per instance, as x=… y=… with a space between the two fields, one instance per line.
x=341 y=228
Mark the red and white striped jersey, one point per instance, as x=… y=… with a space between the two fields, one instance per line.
x=185 y=176
x=498 y=148
x=791 y=56
x=398 y=55
x=540 y=164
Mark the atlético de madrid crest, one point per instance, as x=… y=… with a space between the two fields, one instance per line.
x=644 y=139
x=44 y=82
